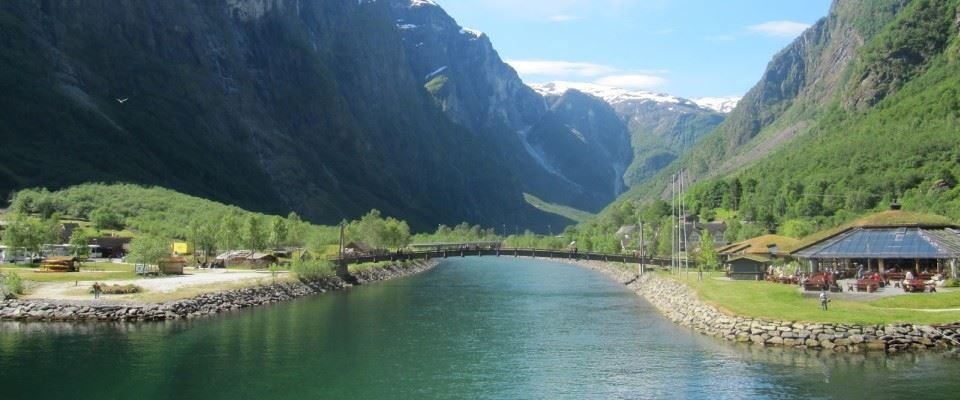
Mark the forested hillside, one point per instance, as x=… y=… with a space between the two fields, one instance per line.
x=881 y=127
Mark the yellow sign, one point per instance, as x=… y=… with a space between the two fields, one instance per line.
x=182 y=248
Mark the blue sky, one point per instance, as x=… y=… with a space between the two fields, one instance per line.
x=686 y=48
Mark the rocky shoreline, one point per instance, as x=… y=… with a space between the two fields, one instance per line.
x=680 y=304
x=200 y=306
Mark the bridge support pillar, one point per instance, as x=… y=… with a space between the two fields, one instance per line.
x=342 y=270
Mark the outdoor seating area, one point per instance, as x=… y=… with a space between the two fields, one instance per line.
x=874 y=254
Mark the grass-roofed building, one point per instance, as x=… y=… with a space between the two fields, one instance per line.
x=748 y=260
x=893 y=240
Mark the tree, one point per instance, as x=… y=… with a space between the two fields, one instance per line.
x=295 y=230
x=396 y=233
x=31 y=233
x=23 y=231
x=229 y=233
x=369 y=229
x=278 y=232
x=253 y=234
x=708 y=252
x=105 y=218
x=665 y=237
x=148 y=249
x=203 y=236
x=79 y=243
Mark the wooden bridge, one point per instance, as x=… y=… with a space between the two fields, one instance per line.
x=342 y=263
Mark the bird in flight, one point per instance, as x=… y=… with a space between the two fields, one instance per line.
x=123 y=100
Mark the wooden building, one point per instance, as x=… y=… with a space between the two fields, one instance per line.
x=112 y=247
x=748 y=267
x=172 y=265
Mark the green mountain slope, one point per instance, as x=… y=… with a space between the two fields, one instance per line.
x=271 y=106
x=892 y=135
x=813 y=146
x=791 y=95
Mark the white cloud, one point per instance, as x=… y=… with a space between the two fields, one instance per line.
x=562 y=68
x=789 y=29
x=632 y=81
x=589 y=73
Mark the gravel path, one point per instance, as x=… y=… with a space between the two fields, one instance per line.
x=165 y=284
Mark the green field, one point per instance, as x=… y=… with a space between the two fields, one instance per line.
x=88 y=272
x=786 y=302
x=570 y=213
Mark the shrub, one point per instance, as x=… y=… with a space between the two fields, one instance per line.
x=13 y=283
x=312 y=269
x=274 y=271
x=953 y=283
x=118 y=289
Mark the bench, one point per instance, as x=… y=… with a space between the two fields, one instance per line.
x=918 y=286
x=867 y=285
x=143 y=269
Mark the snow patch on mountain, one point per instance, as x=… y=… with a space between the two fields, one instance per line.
x=614 y=96
x=435 y=73
x=609 y=94
x=718 y=104
x=471 y=32
x=421 y=3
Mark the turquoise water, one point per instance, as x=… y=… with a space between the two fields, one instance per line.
x=482 y=328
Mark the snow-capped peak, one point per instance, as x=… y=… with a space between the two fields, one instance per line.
x=614 y=96
x=718 y=104
x=421 y=3
x=609 y=94
x=475 y=34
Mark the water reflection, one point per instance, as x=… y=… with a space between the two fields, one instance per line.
x=473 y=328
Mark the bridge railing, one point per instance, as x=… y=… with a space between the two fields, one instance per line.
x=503 y=252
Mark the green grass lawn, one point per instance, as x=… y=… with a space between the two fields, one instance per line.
x=561 y=210
x=786 y=302
x=88 y=272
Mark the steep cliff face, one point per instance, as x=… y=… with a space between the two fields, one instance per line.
x=464 y=74
x=578 y=130
x=800 y=84
x=663 y=131
x=268 y=104
x=661 y=127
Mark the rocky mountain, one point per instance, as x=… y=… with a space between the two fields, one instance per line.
x=268 y=104
x=661 y=127
x=857 y=112
x=796 y=86
x=569 y=159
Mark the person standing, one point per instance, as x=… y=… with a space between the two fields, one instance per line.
x=96 y=290
x=823 y=300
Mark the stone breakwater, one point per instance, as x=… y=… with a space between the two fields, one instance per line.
x=681 y=305
x=200 y=306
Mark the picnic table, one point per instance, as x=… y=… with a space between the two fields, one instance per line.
x=918 y=286
x=144 y=269
x=820 y=281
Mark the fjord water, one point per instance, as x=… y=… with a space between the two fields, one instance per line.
x=471 y=328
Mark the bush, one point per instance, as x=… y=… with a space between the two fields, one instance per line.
x=312 y=269
x=953 y=283
x=117 y=289
x=13 y=283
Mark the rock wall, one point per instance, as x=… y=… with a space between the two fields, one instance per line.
x=203 y=305
x=680 y=304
